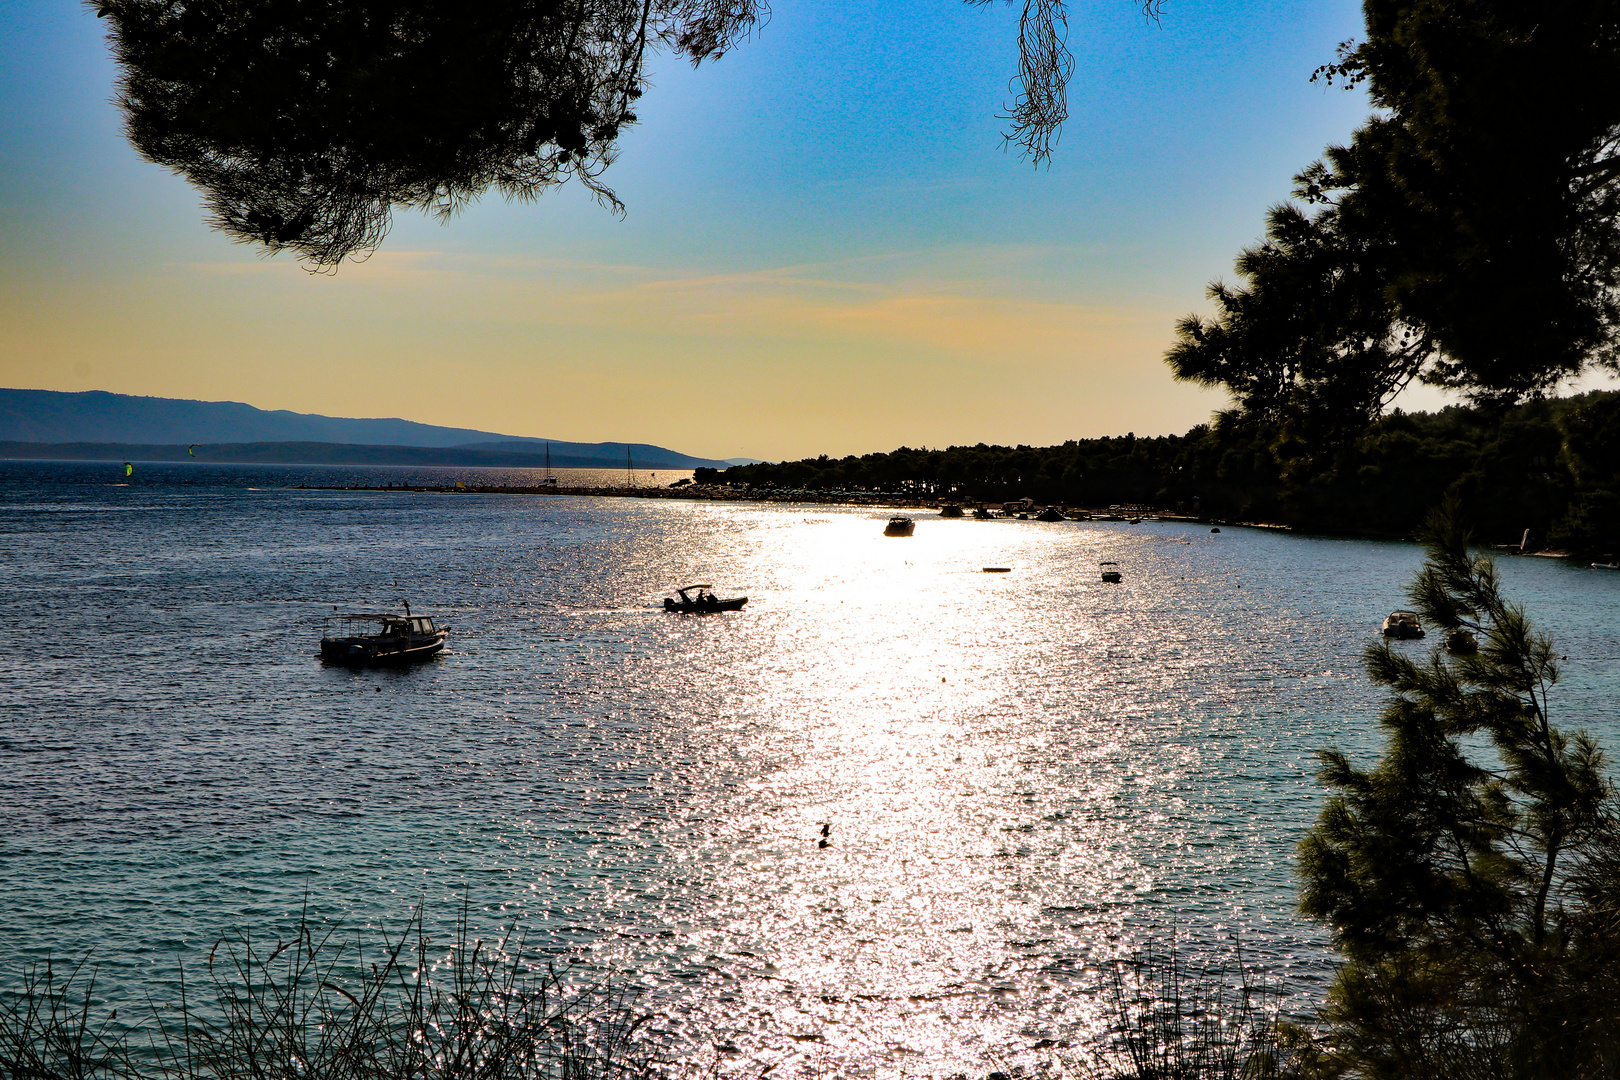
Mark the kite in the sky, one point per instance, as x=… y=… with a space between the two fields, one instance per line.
x=129 y=469
x=192 y=449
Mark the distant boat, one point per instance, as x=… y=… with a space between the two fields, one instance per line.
x=998 y=570
x=1403 y=625
x=980 y=514
x=900 y=526
x=1605 y=566
x=1051 y=513
x=399 y=639
x=548 y=480
x=1460 y=642
x=700 y=600
x=1110 y=572
x=950 y=510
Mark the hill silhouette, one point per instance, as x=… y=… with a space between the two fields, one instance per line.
x=39 y=418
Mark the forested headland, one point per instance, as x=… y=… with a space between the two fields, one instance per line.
x=1551 y=466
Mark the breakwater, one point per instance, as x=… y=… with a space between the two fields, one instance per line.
x=727 y=493
x=689 y=492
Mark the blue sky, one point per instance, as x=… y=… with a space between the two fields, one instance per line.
x=826 y=249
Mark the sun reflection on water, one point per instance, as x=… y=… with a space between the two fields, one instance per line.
x=1004 y=799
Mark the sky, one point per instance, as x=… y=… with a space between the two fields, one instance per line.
x=826 y=249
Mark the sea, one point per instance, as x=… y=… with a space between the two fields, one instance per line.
x=897 y=817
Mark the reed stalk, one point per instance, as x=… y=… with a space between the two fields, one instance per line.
x=324 y=1007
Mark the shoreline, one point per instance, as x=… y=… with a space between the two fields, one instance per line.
x=889 y=500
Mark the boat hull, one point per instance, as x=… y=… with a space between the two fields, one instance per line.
x=364 y=652
x=709 y=608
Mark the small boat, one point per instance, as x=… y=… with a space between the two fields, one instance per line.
x=548 y=480
x=950 y=510
x=1403 y=625
x=1460 y=642
x=900 y=526
x=1051 y=513
x=700 y=600
x=998 y=570
x=1110 y=572
x=398 y=639
x=1605 y=566
x=980 y=514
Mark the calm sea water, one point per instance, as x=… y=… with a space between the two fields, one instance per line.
x=1024 y=773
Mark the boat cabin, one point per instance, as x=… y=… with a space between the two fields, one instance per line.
x=1403 y=625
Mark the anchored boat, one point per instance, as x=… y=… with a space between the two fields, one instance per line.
x=367 y=639
x=1460 y=642
x=1403 y=625
x=700 y=600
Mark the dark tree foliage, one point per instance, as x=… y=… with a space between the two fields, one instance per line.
x=1468 y=876
x=1469 y=235
x=1313 y=334
x=306 y=122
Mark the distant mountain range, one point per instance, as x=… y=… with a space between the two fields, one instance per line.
x=100 y=425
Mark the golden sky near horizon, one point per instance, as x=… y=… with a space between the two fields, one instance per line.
x=525 y=347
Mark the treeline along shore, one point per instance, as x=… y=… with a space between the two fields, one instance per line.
x=1551 y=466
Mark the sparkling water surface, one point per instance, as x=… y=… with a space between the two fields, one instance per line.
x=1024 y=774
